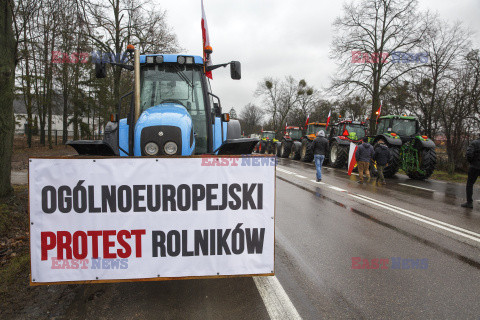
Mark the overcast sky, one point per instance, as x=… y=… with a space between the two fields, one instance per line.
x=277 y=38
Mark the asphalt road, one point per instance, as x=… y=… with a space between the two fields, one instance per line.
x=325 y=234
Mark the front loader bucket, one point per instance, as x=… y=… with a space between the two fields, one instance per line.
x=92 y=148
x=238 y=146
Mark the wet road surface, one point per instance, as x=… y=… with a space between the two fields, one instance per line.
x=432 y=246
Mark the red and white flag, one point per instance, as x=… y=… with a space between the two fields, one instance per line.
x=379 y=111
x=328 y=118
x=306 y=122
x=206 y=43
x=352 y=161
x=285 y=127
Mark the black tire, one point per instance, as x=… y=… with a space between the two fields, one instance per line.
x=269 y=148
x=263 y=146
x=285 y=149
x=277 y=149
x=306 y=154
x=338 y=155
x=428 y=162
x=394 y=164
x=295 y=152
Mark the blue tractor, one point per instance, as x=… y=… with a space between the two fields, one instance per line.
x=172 y=112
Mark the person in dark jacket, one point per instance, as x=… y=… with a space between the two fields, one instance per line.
x=381 y=157
x=473 y=157
x=363 y=156
x=320 y=149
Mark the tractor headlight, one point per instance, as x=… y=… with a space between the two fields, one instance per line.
x=170 y=148
x=151 y=149
x=181 y=60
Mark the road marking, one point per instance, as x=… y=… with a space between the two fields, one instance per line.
x=337 y=188
x=355 y=174
x=300 y=176
x=433 y=222
x=320 y=182
x=284 y=171
x=275 y=298
x=409 y=185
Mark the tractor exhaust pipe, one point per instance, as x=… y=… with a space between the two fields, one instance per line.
x=137 y=84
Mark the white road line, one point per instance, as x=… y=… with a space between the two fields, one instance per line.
x=315 y=181
x=355 y=174
x=337 y=188
x=433 y=222
x=300 y=176
x=409 y=185
x=276 y=300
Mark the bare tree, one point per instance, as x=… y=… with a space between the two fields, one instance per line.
x=250 y=118
x=370 y=28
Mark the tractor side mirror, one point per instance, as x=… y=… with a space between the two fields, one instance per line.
x=100 y=69
x=235 y=70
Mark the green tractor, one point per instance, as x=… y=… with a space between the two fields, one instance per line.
x=266 y=143
x=409 y=150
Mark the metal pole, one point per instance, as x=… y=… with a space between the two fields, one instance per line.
x=137 y=84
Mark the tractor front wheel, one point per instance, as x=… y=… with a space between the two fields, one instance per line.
x=285 y=149
x=306 y=154
x=338 y=155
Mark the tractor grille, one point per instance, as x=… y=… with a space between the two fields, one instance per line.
x=161 y=135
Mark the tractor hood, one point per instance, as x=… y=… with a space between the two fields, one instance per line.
x=162 y=124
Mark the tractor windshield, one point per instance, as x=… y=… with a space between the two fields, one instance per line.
x=313 y=129
x=404 y=127
x=180 y=84
x=355 y=131
x=268 y=135
x=295 y=133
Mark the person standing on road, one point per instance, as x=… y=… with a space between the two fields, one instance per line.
x=473 y=157
x=320 y=148
x=364 y=155
x=381 y=157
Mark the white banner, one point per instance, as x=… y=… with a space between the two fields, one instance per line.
x=133 y=218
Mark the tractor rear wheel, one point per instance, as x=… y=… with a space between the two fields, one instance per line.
x=276 y=149
x=295 y=151
x=338 y=155
x=285 y=149
x=394 y=164
x=306 y=154
x=427 y=159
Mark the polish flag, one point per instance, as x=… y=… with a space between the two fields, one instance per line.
x=306 y=123
x=328 y=118
x=206 y=43
x=285 y=127
x=351 y=157
x=379 y=111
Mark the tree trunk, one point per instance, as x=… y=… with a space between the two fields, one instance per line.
x=7 y=72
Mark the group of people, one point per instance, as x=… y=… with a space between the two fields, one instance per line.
x=381 y=155
x=364 y=155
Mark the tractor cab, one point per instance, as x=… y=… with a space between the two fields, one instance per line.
x=294 y=133
x=268 y=135
x=172 y=111
x=313 y=128
x=351 y=130
x=403 y=127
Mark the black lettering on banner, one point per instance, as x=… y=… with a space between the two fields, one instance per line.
x=212 y=242
x=247 y=196
x=158 y=242
x=124 y=198
x=173 y=245
x=222 y=242
x=224 y=197
x=91 y=201
x=232 y=190
x=168 y=196
x=198 y=194
x=201 y=242
x=183 y=197
x=211 y=196
x=254 y=244
x=153 y=206
x=260 y=196
x=137 y=198
x=238 y=239
x=79 y=197
x=109 y=199
x=64 y=199
x=185 y=252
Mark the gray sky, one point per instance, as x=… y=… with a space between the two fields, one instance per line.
x=278 y=38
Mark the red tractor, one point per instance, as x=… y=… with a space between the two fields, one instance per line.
x=290 y=146
x=340 y=135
